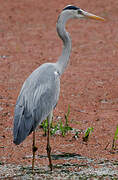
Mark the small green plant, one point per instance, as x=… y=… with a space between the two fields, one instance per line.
x=54 y=129
x=64 y=128
x=115 y=138
x=87 y=133
x=67 y=116
x=44 y=125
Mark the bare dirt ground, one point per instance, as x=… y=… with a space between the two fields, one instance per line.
x=28 y=38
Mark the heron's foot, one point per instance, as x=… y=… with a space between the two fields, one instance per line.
x=49 y=156
x=34 y=149
x=50 y=165
x=33 y=172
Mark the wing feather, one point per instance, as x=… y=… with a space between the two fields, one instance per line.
x=38 y=96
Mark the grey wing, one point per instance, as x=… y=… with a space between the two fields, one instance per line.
x=35 y=102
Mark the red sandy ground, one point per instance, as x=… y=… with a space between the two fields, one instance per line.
x=28 y=38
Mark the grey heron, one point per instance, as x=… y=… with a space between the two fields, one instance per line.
x=40 y=92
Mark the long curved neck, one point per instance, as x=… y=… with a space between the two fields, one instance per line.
x=64 y=58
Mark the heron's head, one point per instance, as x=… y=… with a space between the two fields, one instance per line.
x=75 y=12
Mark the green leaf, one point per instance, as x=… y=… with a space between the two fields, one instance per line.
x=116 y=134
x=88 y=131
x=54 y=129
x=67 y=115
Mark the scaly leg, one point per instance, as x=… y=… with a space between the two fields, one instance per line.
x=48 y=141
x=34 y=149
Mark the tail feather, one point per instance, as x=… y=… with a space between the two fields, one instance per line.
x=22 y=125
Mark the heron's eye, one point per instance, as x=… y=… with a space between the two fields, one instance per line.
x=79 y=11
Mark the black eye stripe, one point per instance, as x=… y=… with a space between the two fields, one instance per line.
x=79 y=11
x=71 y=8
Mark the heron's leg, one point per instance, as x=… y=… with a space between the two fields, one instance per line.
x=48 y=140
x=34 y=149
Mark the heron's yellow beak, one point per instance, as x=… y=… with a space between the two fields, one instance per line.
x=92 y=16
